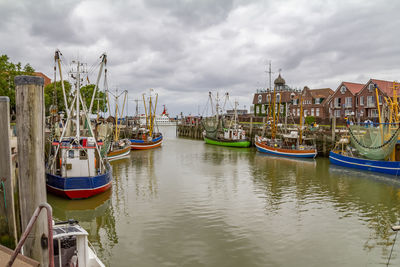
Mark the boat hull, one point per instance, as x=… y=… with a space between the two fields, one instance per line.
x=238 y=143
x=141 y=144
x=388 y=167
x=78 y=187
x=295 y=153
x=120 y=153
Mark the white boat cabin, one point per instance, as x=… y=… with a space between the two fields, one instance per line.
x=78 y=160
x=70 y=243
x=234 y=134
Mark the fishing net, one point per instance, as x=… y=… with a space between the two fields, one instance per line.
x=375 y=143
x=211 y=126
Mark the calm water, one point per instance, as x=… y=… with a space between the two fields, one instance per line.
x=191 y=204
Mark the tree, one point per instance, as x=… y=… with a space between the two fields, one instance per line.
x=8 y=71
x=49 y=96
x=100 y=98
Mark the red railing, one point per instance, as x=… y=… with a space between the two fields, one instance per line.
x=29 y=229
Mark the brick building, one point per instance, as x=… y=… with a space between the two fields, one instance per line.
x=47 y=80
x=263 y=98
x=342 y=102
x=365 y=102
x=314 y=103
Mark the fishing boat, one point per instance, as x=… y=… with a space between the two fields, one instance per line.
x=146 y=137
x=71 y=246
x=119 y=148
x=218 y=132
x=372 y=146
x=75 y=167
x=288 y=145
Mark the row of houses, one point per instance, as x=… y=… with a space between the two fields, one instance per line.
x=349 y=99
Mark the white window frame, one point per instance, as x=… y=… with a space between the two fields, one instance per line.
x=316 y=112
x=361 y=100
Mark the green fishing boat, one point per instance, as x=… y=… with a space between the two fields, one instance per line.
x=218 y=132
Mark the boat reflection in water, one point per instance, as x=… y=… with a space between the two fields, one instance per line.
x=95 y=215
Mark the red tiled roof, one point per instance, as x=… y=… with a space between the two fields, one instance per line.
x=385 y=86
x=354 y=88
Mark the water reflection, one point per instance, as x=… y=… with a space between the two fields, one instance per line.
x=95 y=215
x=192 y=204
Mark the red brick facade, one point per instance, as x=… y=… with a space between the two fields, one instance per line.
x=342 y=102
x=47 y=80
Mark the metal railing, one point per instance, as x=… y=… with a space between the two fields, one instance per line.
x=29 y=229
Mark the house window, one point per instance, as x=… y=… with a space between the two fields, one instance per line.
x=298 y=112
x=305 y=113
x=343 y=89
x=337 y=113
x=294 y=112
x=268 y=98
x=259 y=99
x=370 y=101
x=347 y=112
x=262 y=109
x=318 y=101
x=317 y=112
x=337 y=102
x=361 y=101
x=348 y=102
x=370 y=87
x=281 y=109
x=312 y=111
x=380 y=100
x=373 y=113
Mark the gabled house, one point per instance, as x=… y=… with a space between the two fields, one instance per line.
x=342 y=102
x=313 y=103
x=366 y=104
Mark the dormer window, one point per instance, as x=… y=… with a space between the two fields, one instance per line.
x=343 y=89
x=371 y=87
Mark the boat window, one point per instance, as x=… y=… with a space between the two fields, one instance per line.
x=71 y=153
x=83 y=154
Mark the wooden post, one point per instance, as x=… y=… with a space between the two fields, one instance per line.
x=263 y=129
x=7 y=213
x=31 y=183
x=251 y=126
x=333 y=129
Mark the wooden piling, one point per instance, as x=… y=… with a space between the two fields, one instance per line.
x=333 y=129
x=31 y=184
x=8 y=229
x=263 y=128
x=251 y=126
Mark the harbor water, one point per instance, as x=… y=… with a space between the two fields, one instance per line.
x=192 y=204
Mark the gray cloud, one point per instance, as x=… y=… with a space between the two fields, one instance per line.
x=184 y=48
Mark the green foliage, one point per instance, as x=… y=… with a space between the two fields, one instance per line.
x=59 y=97
x=8 y=71
x=309 y=120
x=100 y=98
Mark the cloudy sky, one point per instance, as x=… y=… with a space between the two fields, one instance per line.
x=185 y=48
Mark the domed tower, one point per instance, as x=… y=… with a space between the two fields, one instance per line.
x=279 y=83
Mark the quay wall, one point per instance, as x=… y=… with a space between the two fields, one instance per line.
x=324 y=134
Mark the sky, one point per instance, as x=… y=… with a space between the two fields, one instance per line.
x=186 y=48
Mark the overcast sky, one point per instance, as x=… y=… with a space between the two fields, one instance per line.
x=185 y=48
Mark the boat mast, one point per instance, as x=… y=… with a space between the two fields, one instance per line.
x=102 y=64
x=273 y=126
x=301 y=119
x=57 y=59
x=78 y=92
